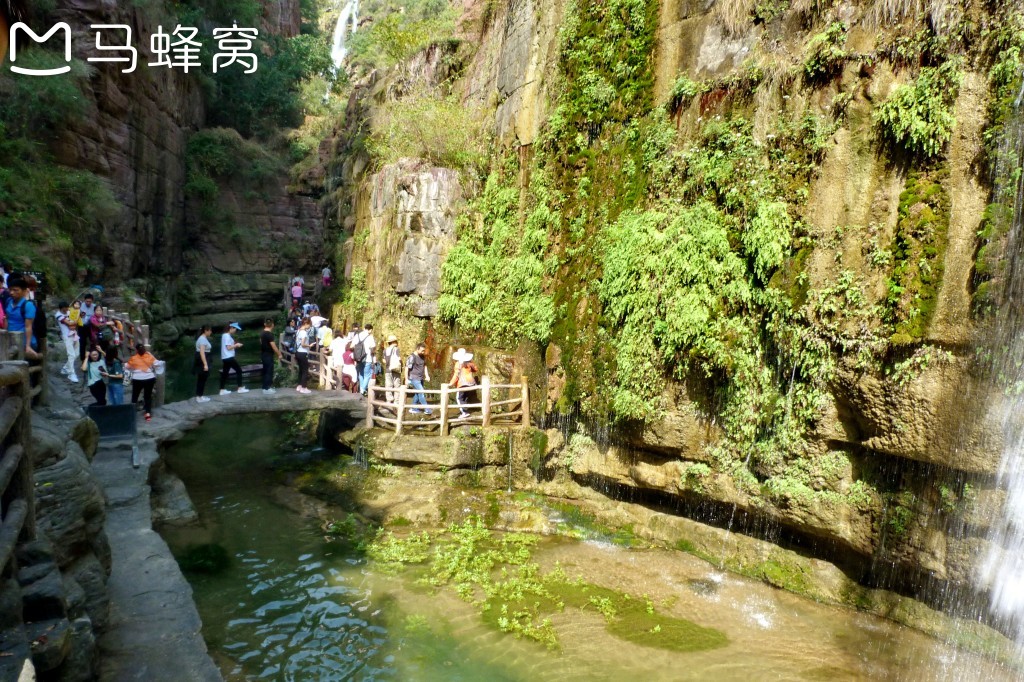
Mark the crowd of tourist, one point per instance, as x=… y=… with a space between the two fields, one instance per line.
x=95 y=344
x=358 y=362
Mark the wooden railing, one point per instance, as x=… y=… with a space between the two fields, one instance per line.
x=500 y=404
x=17 y=493
x=12 y=347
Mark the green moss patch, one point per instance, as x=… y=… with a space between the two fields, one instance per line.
x=496 y=573
x=919 y=249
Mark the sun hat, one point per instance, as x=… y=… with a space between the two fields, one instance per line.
x=462 y=355
x=392 y=339
x=235 y=325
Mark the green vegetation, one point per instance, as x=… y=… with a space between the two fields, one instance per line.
x=497 y=574
x=424 y=125
x=44 y=204
x=918 y=117
x=278 y=93
x=216 y=156
x=399 y=31
x=492 y=278
x=918 y=256
x=826 y=53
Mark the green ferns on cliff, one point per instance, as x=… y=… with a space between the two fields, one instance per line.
x=493 y=276
x=918 y=117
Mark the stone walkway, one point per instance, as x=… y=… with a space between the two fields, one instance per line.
x=154 y=629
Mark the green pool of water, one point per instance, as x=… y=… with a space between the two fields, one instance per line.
x=293 y=604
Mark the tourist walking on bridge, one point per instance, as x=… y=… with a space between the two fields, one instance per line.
x=392 y=369
x=228 y=346
x=268 y=352
x=303 y=340
x=201 y=362
x=416 y=373
x=363 y=348
x=143 y=367
x=464 y=379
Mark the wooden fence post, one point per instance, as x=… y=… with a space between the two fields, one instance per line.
x=444 y=409
x=526 y=400
x=400 y=409
x=369 y=407
x=485 y=383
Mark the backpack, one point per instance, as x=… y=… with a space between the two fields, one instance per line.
x=38 y=322
x=394 y=359
x=359 y=349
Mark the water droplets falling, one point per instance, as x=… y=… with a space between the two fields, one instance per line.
x=1002 y=570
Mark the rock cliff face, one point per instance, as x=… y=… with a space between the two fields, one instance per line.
x=899 y=466
x=134 y=136
x=63 y=573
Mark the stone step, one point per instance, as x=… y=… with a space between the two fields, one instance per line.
x=50 y=641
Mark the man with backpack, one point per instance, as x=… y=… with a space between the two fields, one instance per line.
x=21 y=314
x=363 y=347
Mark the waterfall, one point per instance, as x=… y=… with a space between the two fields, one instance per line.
x=1002 y=569
x=349 y=15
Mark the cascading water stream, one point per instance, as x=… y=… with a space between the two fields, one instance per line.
x=1002 y=570
x=349 y=16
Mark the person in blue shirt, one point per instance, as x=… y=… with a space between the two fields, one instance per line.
x=20 y=313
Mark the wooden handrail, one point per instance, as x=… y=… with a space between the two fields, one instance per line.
x=486 y=415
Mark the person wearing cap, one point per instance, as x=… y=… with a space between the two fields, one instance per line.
x=463 y=379
x=143 y=367
x=228 y=346
x=69 y=334
x=393 y=370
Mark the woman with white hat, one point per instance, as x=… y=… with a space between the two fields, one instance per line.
x=464 y=379
x=392 y=369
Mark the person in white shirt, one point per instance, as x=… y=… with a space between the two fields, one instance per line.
x=69 y=334
x=326 y=276
x=337 y=352
x=228 y=346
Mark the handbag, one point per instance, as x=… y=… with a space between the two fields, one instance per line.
x=127 y=381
